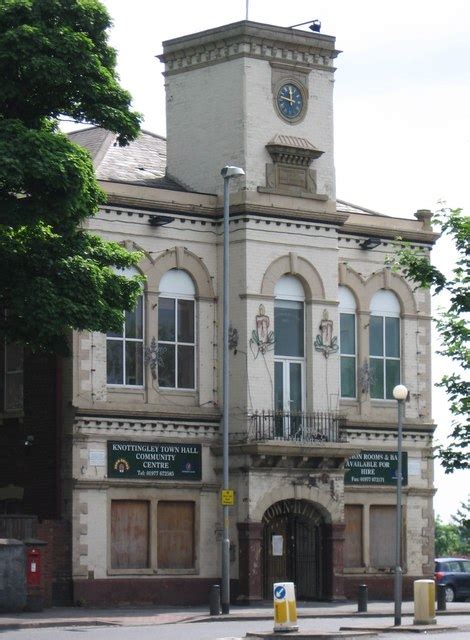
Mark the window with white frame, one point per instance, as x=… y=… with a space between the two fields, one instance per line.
x=177 y=331
x=347 y=343
x=124 y=349
x=289 y=354
x=384 y=344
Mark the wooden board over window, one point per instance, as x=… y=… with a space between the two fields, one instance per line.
x=353 y=536
x=130 y=534
x=175 y=526
x=382 y=536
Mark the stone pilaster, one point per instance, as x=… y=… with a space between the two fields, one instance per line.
x=250 y=536
x=334 y=543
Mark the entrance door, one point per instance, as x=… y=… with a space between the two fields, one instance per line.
x=288 y=397
x=289 y=357
x=293 y=548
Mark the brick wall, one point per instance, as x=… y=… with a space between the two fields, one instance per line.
x=159 y=591
x=56 y=564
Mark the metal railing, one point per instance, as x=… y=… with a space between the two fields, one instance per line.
x=297 y=426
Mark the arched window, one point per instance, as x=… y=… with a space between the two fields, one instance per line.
x=176 y=331
x=289 y=350
x=347 y=342
x=384 y=344
x=124 y=350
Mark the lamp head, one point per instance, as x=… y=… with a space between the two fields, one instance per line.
x=160 y=221
x=230 y=172
x=370 y=243
x=400 y=392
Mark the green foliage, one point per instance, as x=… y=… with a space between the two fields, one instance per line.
x=461 y=520
x=47 y=177
x=59 y=282
x=452 y=326
x=447 y=540
x=454 y=539
x=55 y=61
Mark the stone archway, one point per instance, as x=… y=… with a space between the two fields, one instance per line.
x=296 y=266
x=295 y=549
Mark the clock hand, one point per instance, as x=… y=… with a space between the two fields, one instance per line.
x=288 y=99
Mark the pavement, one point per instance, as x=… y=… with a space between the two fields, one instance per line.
x=153 y=615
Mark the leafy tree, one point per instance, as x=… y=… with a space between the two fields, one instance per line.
x=452 y=326
x=461 y=521
x=447 y=539
x=54 y=276
x=453 y=539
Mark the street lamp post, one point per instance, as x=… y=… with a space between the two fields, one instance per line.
x=227 y=173
x=400 y=393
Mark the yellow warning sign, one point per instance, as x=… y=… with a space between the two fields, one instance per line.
x=227 y=497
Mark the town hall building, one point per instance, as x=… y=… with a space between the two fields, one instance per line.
x=321 y=330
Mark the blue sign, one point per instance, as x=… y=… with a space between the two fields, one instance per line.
x=279 y=593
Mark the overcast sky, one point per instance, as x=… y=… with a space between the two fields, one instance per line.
x=402 y=104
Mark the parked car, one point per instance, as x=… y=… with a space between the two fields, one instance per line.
x=454 y=573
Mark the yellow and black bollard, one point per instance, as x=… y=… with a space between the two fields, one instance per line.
x=285 y=607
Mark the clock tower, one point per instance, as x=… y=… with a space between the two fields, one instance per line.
x=255 y=96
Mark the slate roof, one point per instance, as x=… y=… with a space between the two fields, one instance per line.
x=347 y=207
x=142 y=162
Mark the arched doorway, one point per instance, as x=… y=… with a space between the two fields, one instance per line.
x=294 y=548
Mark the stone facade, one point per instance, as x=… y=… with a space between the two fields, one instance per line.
x=261 y=474
x=285 y=221
x=223 y=80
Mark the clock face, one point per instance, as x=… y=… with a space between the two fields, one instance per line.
x=290 y=101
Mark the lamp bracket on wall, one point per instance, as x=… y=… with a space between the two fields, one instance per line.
x=159 y=221
x=370 y=243
x=313 y=25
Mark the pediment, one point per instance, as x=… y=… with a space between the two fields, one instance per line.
x=292 y=150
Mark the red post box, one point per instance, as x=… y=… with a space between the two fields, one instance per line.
x=34 y=578
x=33 y=567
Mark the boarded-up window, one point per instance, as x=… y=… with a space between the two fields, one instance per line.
x=353 y=536
x=129 y=534
x=175 y=526
x=382 y=536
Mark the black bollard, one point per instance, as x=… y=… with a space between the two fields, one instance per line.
x=214 y=600
x=441 y=597
x=362 y=597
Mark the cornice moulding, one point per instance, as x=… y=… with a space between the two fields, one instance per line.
x=101 y=412
x=142 y=198
x=101 y=485
x=388 y=233
x=290 y=449
x=278 y=45
x=292 y=150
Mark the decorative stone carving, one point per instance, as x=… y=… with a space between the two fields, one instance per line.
x=261 y=338
x=153 y=357
x=325 y=342
x=292 y=150
x=364 y=377
x=290 y=172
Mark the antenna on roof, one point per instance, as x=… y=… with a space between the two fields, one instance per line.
x=247 y=8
